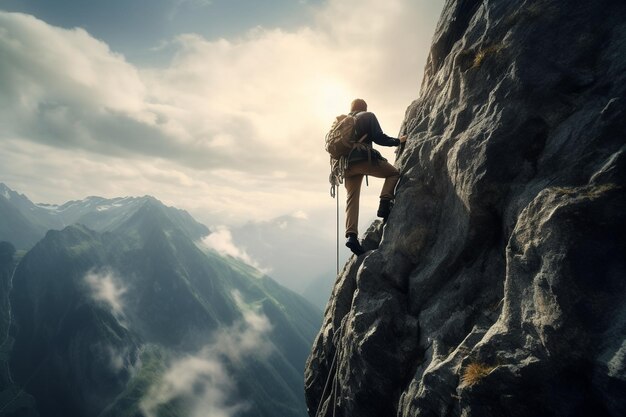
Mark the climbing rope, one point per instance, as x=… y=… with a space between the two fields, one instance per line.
x=333 y=391
x=330 y=372
x=335 y=384
x=337 y=228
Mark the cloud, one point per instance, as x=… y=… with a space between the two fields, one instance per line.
x=221 y=240
x=239 y=120
x=55 y=70
x=117 y=358
x=229 y=129
x=120 y=358
x=106 y=288
x=300 y=214
x=204 y=381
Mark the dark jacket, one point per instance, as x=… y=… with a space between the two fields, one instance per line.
x=367 y=123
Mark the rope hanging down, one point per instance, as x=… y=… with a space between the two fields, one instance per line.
x=337 y=229
x=333 y=393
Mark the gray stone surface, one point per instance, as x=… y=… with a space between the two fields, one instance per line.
x=505 y=250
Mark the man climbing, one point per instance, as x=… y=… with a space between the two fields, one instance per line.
x=364 y=160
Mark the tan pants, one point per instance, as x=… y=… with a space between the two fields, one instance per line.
x=354 y=178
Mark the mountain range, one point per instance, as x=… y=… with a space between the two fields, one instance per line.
x=264 y=242
x=25 y=222
x=123 y=313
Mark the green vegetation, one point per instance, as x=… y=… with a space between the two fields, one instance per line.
x=152 y=365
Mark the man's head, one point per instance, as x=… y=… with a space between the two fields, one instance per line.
x=358 y=104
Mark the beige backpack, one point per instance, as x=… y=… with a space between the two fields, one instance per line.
x=341 y=137
x=340 y=141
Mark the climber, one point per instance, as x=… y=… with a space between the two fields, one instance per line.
x=367 y=161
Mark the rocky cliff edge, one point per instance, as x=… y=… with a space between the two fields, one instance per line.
x=498 y=285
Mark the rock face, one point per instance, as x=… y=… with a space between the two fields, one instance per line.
x=498 y=285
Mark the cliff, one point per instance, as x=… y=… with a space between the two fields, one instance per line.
x=498 y=285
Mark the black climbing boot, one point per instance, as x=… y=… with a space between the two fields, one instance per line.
x=384 y=208
x=354 y=245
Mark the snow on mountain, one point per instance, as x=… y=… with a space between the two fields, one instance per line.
x=97 y=213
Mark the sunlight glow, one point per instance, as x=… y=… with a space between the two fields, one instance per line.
x=332 y=98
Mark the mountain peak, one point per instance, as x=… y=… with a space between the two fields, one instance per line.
x=5 y=191
x=95 y=212
x=9 y=194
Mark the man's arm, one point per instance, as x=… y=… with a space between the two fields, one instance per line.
x=370 y=124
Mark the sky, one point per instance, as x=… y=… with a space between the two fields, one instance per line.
x=218 y=107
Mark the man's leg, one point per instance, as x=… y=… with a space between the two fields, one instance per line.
x=391 y=175
x=353 y=182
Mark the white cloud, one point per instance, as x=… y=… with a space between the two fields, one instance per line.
x=120 y=359
x=300 y=214
x=105 y=287
x=203 y=381
x=230 y=130
x=65 y=69
x=255 y=107
x=117 y=358
x=221 y=240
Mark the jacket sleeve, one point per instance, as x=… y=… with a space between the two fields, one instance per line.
x=369 y=124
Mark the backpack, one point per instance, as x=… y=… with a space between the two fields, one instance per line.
x=341 y=137
x=340 y=141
